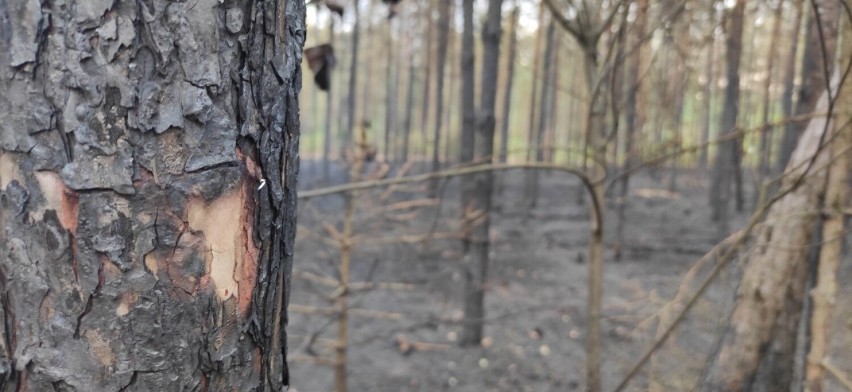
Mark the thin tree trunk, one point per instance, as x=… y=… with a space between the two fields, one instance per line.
x=812 y=73
x=468 y=116
x=138 y=249
x=427 y=83
x=329 y=101
x=780 y=250
x=788 y=141
x=633 y=122
x=476 y=259
x=440 y=65
x=537 y=141
x=531 y=129
x=390 y=92
x=727 y=161
x=765 y=146
x=710 y=77
x=507 y=92
x=353 y=79
x=409 y=109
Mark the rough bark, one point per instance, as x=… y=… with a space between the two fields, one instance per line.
x=726 y=161
x=789 y=140
x=774 y=261
x=137 y=250
x=476 y=259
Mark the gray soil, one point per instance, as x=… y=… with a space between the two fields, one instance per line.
x=535 y=298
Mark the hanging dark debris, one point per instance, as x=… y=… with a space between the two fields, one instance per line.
x=321 y=60
x=336 y=6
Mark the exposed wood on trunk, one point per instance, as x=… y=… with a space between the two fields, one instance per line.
x=161 y=187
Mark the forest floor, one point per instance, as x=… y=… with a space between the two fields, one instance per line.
x=536 y=292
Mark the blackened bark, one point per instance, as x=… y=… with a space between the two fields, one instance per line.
x=468 y=88
x=707 y=112
x=138 y=249
x=727 y=161
x=476 y=259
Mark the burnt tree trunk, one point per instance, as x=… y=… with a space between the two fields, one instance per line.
x=537 y=136
x=138 y=248
x=727 y=161
x=476 y=259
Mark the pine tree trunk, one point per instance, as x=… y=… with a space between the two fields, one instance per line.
x=537 y=142
x=441 y=62
x=507 y=92
x=788 y=142
x=775 y=265
x=476 y=259
x=727 y=158
x=329 y=103
x=148 y=187
x=353 y=79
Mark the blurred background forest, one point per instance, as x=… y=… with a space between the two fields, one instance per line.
x=468 y=168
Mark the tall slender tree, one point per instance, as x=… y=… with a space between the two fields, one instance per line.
x=476 y=259
x=727 y=160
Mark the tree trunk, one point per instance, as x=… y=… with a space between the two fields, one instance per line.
x=329 y=101
x=147 y=194
x=353 y=80
x=773 y=268
x=788 y=142
x=537 y=141
x=765 y=146
x=710 y=77
x=726 y=160
x=476 y=259
x=440 y=65
x=468 y=89
x=813 y=71
x=507 y=93
x=530 y=131
x=632 y=121
x=824 y=295
x=409 y=110
x=427 y=83
x=390 y=91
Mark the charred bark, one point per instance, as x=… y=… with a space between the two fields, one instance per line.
x=139 y=249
